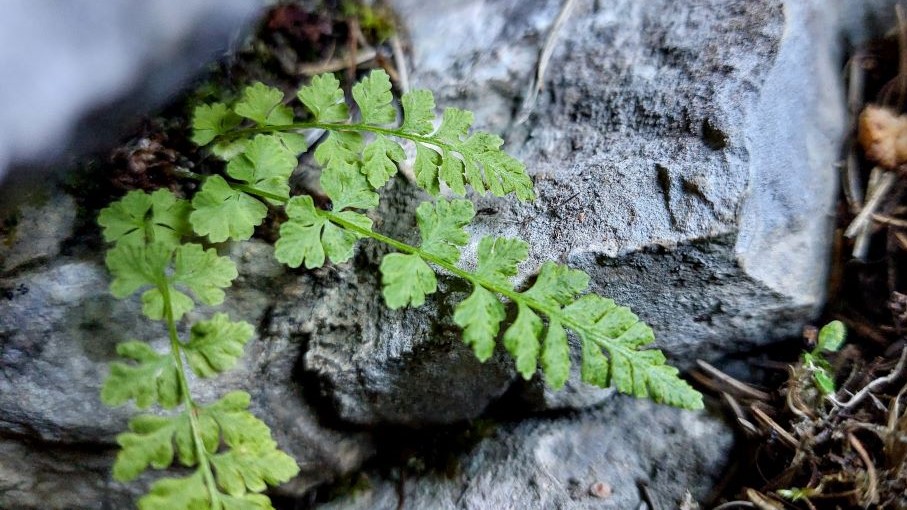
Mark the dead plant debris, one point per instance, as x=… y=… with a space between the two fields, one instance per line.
x=806 y=448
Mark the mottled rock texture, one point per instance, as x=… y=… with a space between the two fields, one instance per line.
x=683 y=155
x=544 y=463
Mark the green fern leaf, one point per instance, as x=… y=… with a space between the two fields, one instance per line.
x=557 y=284
x=480 y=315
x=212 y=120
x=418 y=112
x=375 y=100
x=441 y=227
x=407 y=279
x=425 y=169
x=498 y=259
x=555 y=358
x=295 y=143
x=215 y=345
x=254 y=461
x=203 y=272
x=307 y=237
x=500 y=173
x=380 y=160
x=149 y=444
x=451 y=172
x=266 y=164
x=455 y=124
x=137 y=266
x=595 y=368
x=140 y=218
x=187 y=493
x=237 y=425
x=252 y=468
x=831 y=336
x=347 y=188
x=152 y=379
x=200 y=271
x=642 y=373
x=262 y=104
x=340 y=147
x=521 y=340
x=324 y=98
x=246 y=502
x=229 y=149
x=222 y=213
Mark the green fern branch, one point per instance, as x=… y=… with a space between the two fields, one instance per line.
x=188 y=403
x=598 y=322
x=232 y=451
x=447 y=155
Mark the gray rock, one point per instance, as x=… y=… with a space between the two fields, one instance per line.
x=58 y=331
x=547 y=463
x=33 y=476
x=38 y=233
x=683 y=155
x=99 y=64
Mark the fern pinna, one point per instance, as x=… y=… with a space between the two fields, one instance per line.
x=261 y=139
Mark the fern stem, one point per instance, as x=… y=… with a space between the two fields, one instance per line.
x=188 y=403
x=329 y=126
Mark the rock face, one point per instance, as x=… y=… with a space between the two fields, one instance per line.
x=64 y=63
x=597 y=459
x=683 y=155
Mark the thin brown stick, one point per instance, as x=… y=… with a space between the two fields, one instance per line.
x=400 y=63
x=738 y=412
x=902 y=56
x=544 y=57
x=740 y=387
x=888 y=220
x=884 y=182
x=769 y=422
x=872 y=490
x=336 y=64
x=735 y=504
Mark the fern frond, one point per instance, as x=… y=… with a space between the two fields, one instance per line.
x=448 y=155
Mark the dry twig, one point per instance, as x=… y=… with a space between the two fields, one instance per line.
x=544 y=57
x=741 y=388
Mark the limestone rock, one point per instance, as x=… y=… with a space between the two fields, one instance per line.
x=683 y=154
x=544 y=463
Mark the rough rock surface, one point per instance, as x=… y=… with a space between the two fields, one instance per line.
x=545 y=463
x=101 y=64
x=58 y=331
x=683 y=155
x=682 y=152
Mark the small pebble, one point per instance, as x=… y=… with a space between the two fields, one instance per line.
x=600 y=490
